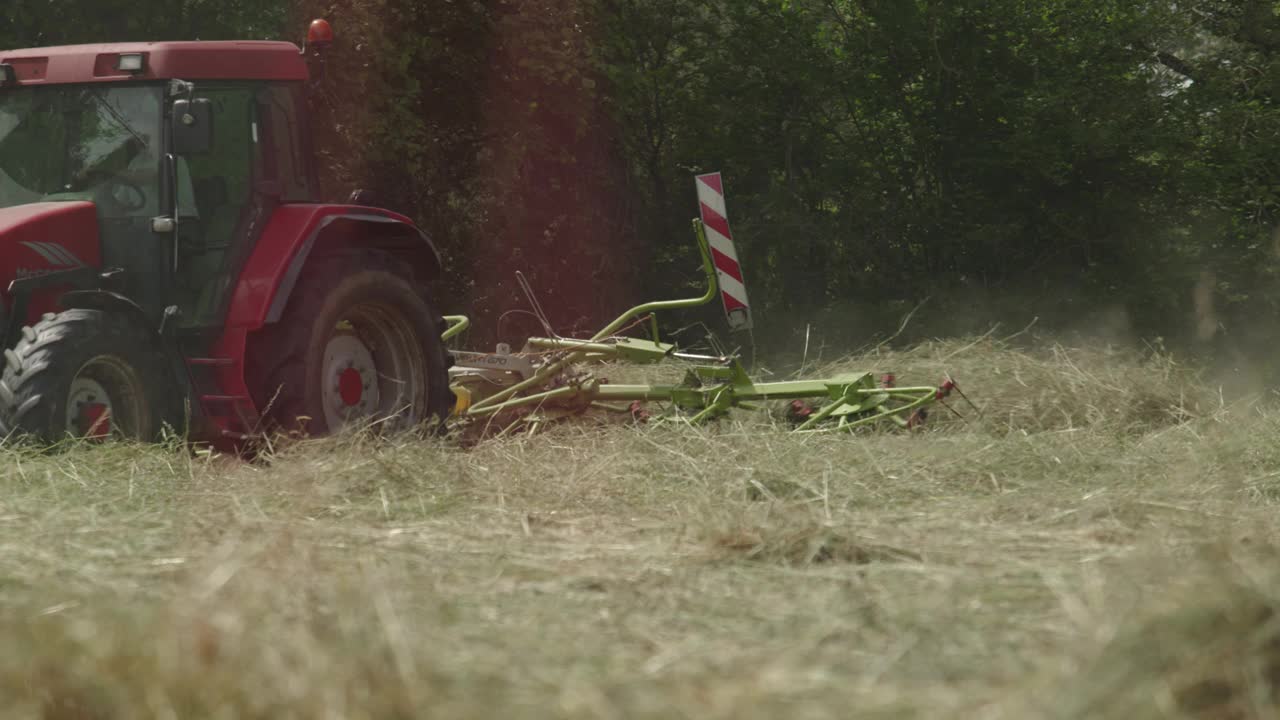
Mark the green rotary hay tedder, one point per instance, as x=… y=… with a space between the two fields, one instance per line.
x=551 y=378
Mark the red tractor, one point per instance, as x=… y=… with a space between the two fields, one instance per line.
x=166 y=258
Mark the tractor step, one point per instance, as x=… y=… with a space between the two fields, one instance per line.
x=233 y=413
x=224 y=398
x=211 y=362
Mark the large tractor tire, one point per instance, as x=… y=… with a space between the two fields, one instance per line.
x=85 y=374
x=358 y=346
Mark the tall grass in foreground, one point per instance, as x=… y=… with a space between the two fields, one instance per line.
x=1101 y=543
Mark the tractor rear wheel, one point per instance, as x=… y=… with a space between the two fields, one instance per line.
x=85 y=374
x=358 y=346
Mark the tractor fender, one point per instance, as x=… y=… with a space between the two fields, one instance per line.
x=296 y=233
x=106 y=301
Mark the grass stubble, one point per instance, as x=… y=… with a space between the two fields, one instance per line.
x=1101 y=543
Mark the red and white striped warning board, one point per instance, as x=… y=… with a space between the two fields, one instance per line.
x=715 y=220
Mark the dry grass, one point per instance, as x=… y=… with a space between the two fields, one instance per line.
x=1102 y=544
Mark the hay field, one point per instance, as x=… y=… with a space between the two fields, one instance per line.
x=1101 y=544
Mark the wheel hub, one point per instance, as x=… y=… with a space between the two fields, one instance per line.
x=350 y=381
x=350 y=387
x=88 y=409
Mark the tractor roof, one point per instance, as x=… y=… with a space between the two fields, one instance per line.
x=220 y=60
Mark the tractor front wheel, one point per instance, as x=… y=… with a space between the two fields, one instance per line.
x=358 y=346
x=84 y=374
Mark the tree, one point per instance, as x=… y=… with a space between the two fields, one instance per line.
x=37 y=23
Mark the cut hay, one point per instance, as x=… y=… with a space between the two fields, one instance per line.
x=1046 y=561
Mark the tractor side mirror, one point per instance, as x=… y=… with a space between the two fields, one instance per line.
x=192 y=126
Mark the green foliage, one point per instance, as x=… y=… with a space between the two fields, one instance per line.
x=871 y=144
x=34 y=23
x=878 y=146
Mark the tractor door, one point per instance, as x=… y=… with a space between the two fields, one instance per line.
x=226 y=196
x=214 y=201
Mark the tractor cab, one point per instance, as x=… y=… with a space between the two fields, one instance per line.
x=178 y=168
x=161 y=226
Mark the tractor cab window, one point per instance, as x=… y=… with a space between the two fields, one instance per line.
x=82 y=142
x=213 y=202
x=101 y=143
x=285 y=151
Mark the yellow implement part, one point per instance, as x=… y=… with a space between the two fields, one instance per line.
x=463 y=401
